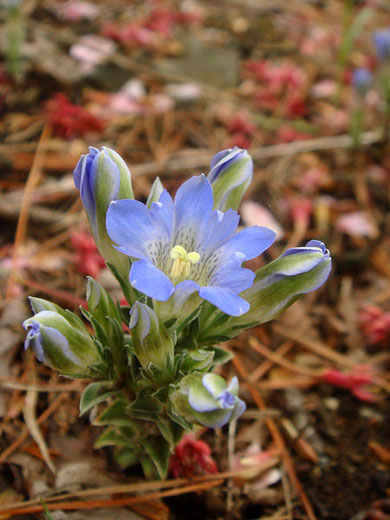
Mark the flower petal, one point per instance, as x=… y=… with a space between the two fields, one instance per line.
x=233 y=386
x=129 y=225
x=149 y=280
x=193 y=205
x=238 y=409
x=214 y=384
x=214 y=419
x=162 y=213
x=219 y=227
x=227 y=301
x=233 y=278
x=200 y=399
x=250 y=241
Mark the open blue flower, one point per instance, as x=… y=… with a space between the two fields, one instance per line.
x=186 y=247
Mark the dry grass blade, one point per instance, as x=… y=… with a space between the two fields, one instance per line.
x=23 y=436
x=32 y=181
x=315 y=346
x=115 y=502
x=31 y=423
x=139 y=486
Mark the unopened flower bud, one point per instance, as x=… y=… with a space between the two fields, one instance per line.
x=230 y=174
x=102 y=176
x=208 y=400
x=61 y=342
x=100 y=304
x=151 y=341
x=297 y=271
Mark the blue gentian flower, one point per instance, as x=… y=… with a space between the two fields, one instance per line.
x=382 y=43
x=185 y=247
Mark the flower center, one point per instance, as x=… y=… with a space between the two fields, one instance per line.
x=182 y=262
x=226 y=399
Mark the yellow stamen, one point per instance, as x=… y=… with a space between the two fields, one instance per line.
x=182 y=262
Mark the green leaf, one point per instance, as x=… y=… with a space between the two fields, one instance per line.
x=170 y=430
x=125 y=457
x=145 y=406
x=158 y=450
x=221 y=356
x=94 y=394
x=116 y=415
x=110 y=437
x=178 y=419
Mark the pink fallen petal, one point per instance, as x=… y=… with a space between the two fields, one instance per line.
x=357 y=224
x=254 y=214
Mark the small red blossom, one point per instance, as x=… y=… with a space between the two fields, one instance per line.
x=241 y=124
x=266 y=100
x=374 y=324
x=355 y=381
x=87 y=259
x=191 y=457
x=278 y=77
x=69 y=120
x=295 y=106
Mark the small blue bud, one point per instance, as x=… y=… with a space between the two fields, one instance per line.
x=230 y=175
x=207 y=399
x=102 y=177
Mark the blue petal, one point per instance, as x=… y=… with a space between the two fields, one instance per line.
x=82 y=178
x=251 y=242
x=238 y=410
x=83 y=164
x=193 y=205
x=130 y=226
x=219 y=227
x=227 y=301
x=162 y=213
x=311 y=247
x=234 y=278
x=149 y=280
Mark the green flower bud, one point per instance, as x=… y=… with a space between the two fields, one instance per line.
x=280 y=283
x=230 y=175
x=151 y=341
x=102 y=176
x=100 y=304
x=206 y=399
x=61 y=341
x=155 y=192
